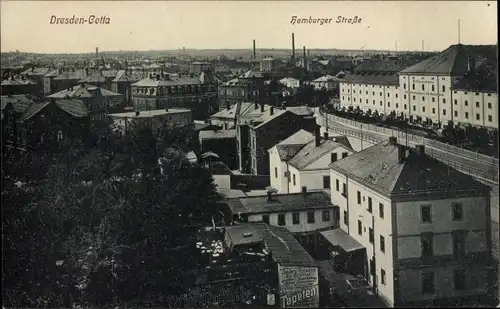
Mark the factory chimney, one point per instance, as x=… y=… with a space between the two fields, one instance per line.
x=305 y=59
x=97 y=51
x=254 y=54
x=293 y=49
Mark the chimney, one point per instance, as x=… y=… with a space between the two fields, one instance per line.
x=137 y=113
x=401 y=153
x=317 y=136
x=262 y=108
x=254 y=53
x=271 y=111
x=325 y=135
x=421 y=150
x=269 y=195
x=97 y=51
x=393 y=140
x=293 y=49
x=305 y=58
x=304 y=190
x=256 y=105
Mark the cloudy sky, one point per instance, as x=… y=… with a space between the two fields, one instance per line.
x=158 y=25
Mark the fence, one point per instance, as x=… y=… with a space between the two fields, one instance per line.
x=425 y=141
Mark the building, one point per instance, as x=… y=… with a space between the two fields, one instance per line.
x=48 y=82
x=248 y=87
x=301 y=213
x=262 y=127
x=156 y=120
x=328 y=82
x=198 y=93
x=18 y=86
x=294 y=275
x=199 y=66
x=290 y=82
x=457 y=85
x=123 y=82
x=425 y=226
x=268 y=65
x=98 y=100
x=101 y=78
x=37 y=75
x=303 y=160
x=222 y=143
x=226 y=118
x=67 y=78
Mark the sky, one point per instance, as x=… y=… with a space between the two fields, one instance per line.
x=162 y=25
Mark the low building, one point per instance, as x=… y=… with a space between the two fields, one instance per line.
x=303 y=160
x=226 y=118
x=123 y=82
x=18 y=86
x=301 y=213
x=268 y=64
x=221 y=142
x=65 y=79
x=37 y=75
x=424 y=225
x=290 y=82
x=156 y=120
x=199 y=66
x=100 y=78
x=327 y=82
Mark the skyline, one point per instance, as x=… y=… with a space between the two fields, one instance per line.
x=172 y=25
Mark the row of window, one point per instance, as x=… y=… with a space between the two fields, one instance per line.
x=370 y=205
x=456 y=212
x=459 y=281
x=167 y=90
x=311 y=218
x=443 y=88
x=371 y=236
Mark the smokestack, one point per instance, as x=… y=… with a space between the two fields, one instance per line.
x=317 y=136
x=254 y=53
x=97 y=51
x=293 y=49
x=305 y=59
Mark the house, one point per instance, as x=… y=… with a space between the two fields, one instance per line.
x=18 y=86
x=424 y=227
x=303 y=160
x=221 y=142
x=301 y=213
x=101 y=78
x=290 y=82
x=37 y=75
x=327 y=82
x=226 y=118
x=123 y=82
x=65 y=79
x=262 y=127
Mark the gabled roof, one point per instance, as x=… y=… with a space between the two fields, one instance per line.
x=388 y=66
x=131 y=76
x=267 y=117
x=36 y=71
x=32 y=110
x=372 y=78
x=171 y=81
x=81 y=92
x=255 y=115
x=484 y=79
x=77 y=74
x=309 y=153
x=377 y=167
x=454 y=60
x=74 y=107
x=285 y=249
x=219 y=134
x=20 y=102
x=301 y=110
x=325 y=78
x=17 y=81
x=251 y=74
x=231 y=112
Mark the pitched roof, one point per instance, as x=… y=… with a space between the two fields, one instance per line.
x=231 y=112
x=389 y=66
x=284 y=248
x=36 y=71
x=171 y=81
x=485 y=79
x=81 y=92
x=372 y=78
x=325 y=78
x=301 y=110
x=279 y=202
x=32 y=110
x=124 y=76
x=74 y=107
x=251 y=74
x=378 y=168
x=19 y=102
x=310 y=153
x=256 y=115
x=217 y=134
x=454 y=60
x=77 y=74
x=17 y=81
x=52 y=73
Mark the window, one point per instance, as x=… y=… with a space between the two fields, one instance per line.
x=414 y=108
x=359 y=197
x=310 y=217
x=396 y=95
x=466 y=115
x=370 y=204
x=275 y=172
x=265 y=218
x=281 y=219
x=427 y=282
x=433 y=110
x=489 y=105
x=455 y=102
x=326 y=182
x=380 y=103
x=373 y=102
x=381 y=210
x=477 y=117
x=295 y=218
x=373 y=92
x=326 y=215
x=345 y=154
x=388 y=95
x=382 y=243
x=433 y=88
x=444 y=112
x=404 y=106
x=425 y=214
x=456 y=114
x=477 y=104
x=459 y=279
x=360 y=228
x=413 y=86
x=426 y=244
x=404 y=86
x=423 y=88
x=333 y=157
x=444 y=100
x=397 y=105
x=388 y=104
x=423 y=109
x=366 y=101
x=346 y=218
x=466 y=103
x=344 y=189
x=404 y=96
x=413 y=97
x=490 y=119
x=433 y=99
x=444 y=88
x=294 y=179
x=458 y=240
x=457 y=209
x=370 y=235
x=337 y=185
x=382 y=276
x=381 y=94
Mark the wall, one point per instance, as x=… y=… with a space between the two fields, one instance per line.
x=277 y=168
x=298 y=287
x=303 y=226
x=253 y=182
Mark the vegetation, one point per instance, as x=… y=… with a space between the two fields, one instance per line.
x=100 y=224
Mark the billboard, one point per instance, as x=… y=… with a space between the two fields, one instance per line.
x=298 y=287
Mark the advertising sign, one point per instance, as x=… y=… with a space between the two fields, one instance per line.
x=298 y=287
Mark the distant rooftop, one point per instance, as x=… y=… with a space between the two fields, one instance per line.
x=151 y=113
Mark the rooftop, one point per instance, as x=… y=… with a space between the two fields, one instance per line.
x=77 y=74
x=379 y=167
x=81 y=91
x=301 y=110
x=74 y=107
x=151 y=113
x=279 y=202
x=217 y=134
x=17 y=81
x=231 y=112
x=389 y=79
x=454 y=60
x=387 y=66
x=284 y=248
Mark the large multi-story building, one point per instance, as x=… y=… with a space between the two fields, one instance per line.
x=458 y=85
x=303 y=160
x=423 y=225
x=123 y=82
x=18 y=86
x=37 y=75
x=248 y=87
x=161 y=91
